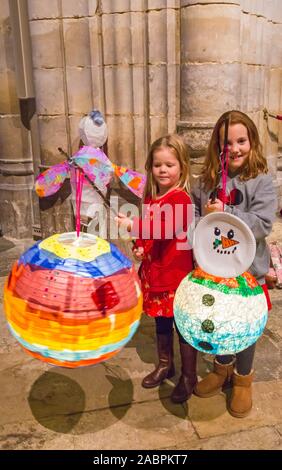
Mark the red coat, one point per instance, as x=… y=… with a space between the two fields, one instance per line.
x=165 y=263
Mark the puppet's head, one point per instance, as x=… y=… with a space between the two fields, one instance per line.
x=93 y=130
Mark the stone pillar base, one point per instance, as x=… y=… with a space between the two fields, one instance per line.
x=197 y=136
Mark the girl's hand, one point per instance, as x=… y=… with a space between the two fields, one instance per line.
x=216 y=206
x=124 y=222
x=139 y=253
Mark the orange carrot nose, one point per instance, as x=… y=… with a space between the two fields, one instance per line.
x=227 y=242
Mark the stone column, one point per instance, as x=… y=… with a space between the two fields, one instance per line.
x=164 y=66
x=122 y=26
x=140 y=48
x=16 y=164
x=62 y=74
x=271 y=129
x=210 y=69
x=230 y=59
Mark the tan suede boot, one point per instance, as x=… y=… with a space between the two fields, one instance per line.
x=214 y=381
x=241 y=398
x=165 y=368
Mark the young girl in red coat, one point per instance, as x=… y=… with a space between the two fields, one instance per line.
x=166 y=255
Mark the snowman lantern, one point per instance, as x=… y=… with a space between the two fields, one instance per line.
x=219 y=308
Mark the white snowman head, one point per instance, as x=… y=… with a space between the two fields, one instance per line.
x=223 y=245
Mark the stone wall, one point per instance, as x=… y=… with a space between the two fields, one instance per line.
x=231 y=58
x=152 y=66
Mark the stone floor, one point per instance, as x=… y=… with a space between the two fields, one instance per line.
x=105 y=407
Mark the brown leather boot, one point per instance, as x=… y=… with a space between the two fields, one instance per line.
x=214 y=381
x=188 y=379
x=241 y=398
x=165 y=368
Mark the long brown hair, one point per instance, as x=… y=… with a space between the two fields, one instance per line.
x=177 y=145
x=256 y=162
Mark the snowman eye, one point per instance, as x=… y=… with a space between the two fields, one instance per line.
x=230 y=234
x=216 y=231
x=208 y=300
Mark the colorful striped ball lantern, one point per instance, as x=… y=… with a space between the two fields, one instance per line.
x=73 y=301
x=220 y=314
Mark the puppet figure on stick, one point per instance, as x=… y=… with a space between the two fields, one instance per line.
x=74 y=299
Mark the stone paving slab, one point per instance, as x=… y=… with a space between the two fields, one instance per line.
x=10 y=251
x=147 y=425
x=212 y=419
x=29 y=435
x=274 y=323
x=264 y=438
x=118 y=428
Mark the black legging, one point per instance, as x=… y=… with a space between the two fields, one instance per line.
x=164 y=326
x=244 y=359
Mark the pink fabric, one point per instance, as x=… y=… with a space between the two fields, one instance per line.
x=224 y=168
x=276 y=259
